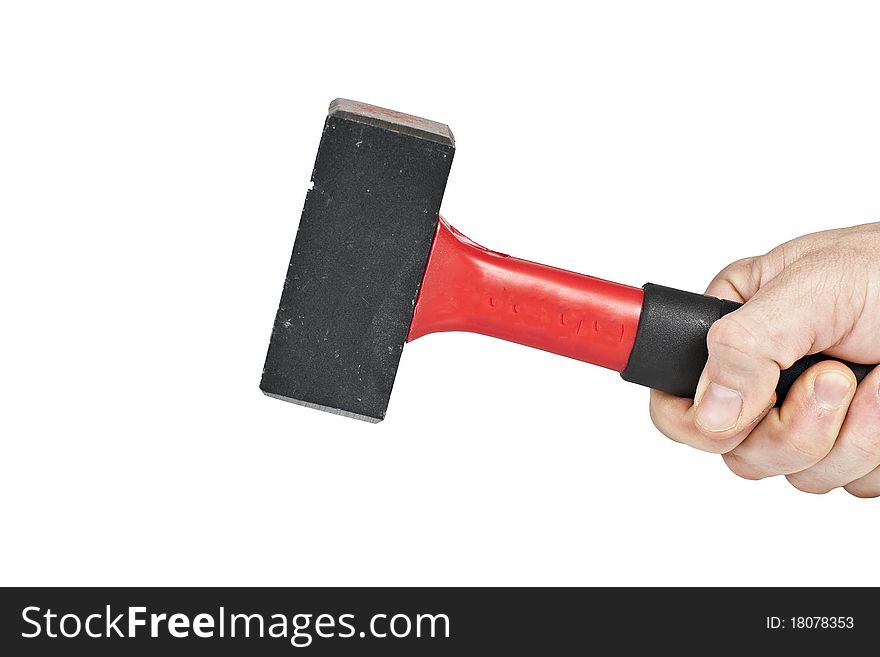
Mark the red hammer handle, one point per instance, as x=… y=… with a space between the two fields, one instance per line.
x=467 y=287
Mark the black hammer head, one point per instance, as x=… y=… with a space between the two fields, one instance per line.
x=358 y=260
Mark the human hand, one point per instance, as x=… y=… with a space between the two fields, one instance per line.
x=817 y=293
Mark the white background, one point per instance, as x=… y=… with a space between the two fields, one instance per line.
x=154 y=158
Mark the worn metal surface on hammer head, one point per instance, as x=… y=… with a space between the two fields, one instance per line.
x=358 y=260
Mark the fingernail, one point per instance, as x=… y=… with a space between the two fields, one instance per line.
x=831 y=388
x=719 y=409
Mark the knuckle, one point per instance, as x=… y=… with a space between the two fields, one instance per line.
x=867 y=447
x=713 y=446
x=741 y=265
x=809 y=448
x=813 y=485
x=859 y=490
x=728 y=334
x=740 y=467
x=661 y=423
x=738 y=271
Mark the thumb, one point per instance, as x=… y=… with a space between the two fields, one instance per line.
x=747 y=350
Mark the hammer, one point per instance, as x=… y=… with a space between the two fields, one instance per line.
x=374 y=266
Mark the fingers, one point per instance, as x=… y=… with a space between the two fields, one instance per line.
x=674 y=417
x=826 y=435
x=747 y=350
x=800 y=433
x=856 y=454
x=738 y=383
x=798 y=299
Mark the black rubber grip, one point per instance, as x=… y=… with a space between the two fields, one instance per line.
x=670 y=348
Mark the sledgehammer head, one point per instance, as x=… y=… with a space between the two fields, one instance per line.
x=358 y=260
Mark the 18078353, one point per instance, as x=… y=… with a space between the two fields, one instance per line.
x=810 y=623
